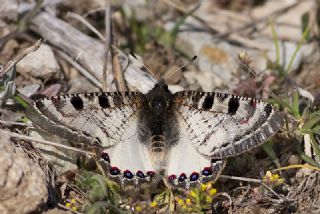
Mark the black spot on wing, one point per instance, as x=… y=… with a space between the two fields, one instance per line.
x=207 y=103
x=268 y=109
x=233 y=105
x=77 y=103
x=103 y=101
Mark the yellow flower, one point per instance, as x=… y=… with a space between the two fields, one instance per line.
x=180 y=202
x=273 y=179
x=193 y=193
x=73 y=201
x=208 y=199
x=212 y=192
x=203 y=187
x=74 y=208
x=138 y=208
x=153 y=204
x=188 y=201
x=68 y=205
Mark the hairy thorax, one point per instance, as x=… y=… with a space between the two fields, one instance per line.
x=157 y=126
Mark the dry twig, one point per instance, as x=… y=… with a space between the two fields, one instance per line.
x=107 y=42
x=46 y=142
x=254 y=181
x=86 y=23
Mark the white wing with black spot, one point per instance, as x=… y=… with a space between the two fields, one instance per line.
x=103 y=119
x=221 y=125
x=106 y=120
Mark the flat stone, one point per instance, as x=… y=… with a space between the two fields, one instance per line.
x=40 y=63
x=23 y=187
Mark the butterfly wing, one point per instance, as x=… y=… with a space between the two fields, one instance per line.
x=221 y=125
x=107 y=120
x=188 y=168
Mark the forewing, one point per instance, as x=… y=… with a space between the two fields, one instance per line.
x=103 y=119
x=222 y=125
x=107 y=120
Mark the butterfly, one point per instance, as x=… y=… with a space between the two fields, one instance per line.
x=181 y=138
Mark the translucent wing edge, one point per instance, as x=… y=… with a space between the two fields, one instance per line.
x=257 y=137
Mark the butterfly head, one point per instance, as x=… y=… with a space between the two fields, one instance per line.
x=159 y=98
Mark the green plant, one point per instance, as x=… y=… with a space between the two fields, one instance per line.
x=99 y=192
x=276 y=66
x=306 y=123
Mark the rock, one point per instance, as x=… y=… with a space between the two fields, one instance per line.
x=80 y=84
x=23 y=186
x=216 y=59
x=29 y=90
x=294 y=159
x=8 y=9
x=40 y=63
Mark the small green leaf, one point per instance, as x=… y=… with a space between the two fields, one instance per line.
x=267 y=147
x=309 y=160
x=303 y=38
x=313 y=119
x=276 y=44
x=295 y=104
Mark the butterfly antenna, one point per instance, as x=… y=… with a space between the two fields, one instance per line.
x=146 y=67
x=188 y=63
x=245 y=62
x=183 y=66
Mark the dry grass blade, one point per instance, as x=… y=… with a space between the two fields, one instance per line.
x=86 y=23
x=81 y=69
x=24 y=53
x=46 y=142
x=118 y=72
x=252 y=180
x=107 y=42
x=297 y=166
